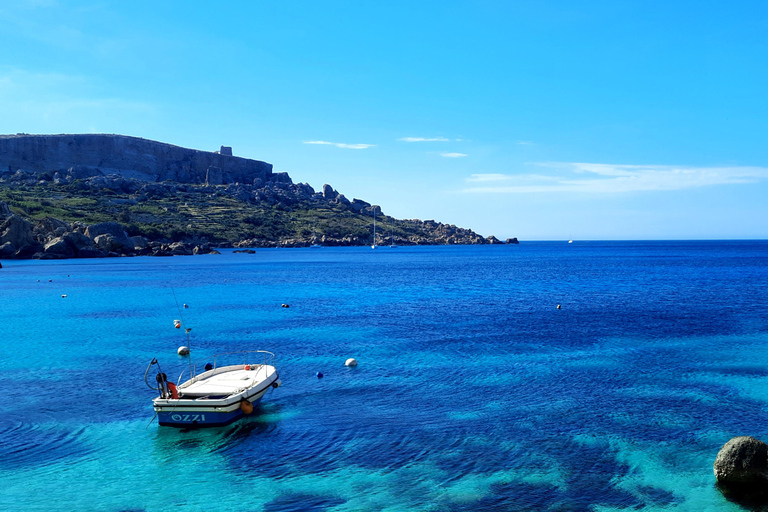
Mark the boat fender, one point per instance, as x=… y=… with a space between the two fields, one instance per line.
x=247 y=367
x=208 y=366
x=558 y=306
x=351 y=362
x=183 y=350
x=246 y=406
x=276 y=384
x=173 y=390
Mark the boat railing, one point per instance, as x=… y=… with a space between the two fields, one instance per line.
x=245 y=357
x=189 y=368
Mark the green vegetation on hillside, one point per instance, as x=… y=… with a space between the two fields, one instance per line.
x=193 y=214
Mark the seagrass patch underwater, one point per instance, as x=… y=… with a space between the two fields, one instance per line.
x=473 y=390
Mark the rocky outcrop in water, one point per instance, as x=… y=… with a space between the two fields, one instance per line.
x=741 y=470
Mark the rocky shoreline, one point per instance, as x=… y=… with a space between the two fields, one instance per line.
x=56 y=239
x=93 y=196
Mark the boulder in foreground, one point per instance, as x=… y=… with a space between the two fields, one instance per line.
x=741 y=469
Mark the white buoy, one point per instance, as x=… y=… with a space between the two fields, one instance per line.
x=351 y=362
x=183 y=351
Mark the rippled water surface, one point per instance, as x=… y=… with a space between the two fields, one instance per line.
x=473 y=392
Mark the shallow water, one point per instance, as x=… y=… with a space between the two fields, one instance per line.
x=473 y=390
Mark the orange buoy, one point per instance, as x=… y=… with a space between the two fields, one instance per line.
x=246 y=406
x=177 y=324
x=247 y=367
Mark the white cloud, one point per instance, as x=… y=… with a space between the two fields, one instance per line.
x=510 y=177
x=340 y=144
x=613 y=179
x=489 y=177
x=424 y=139
x=453 y=155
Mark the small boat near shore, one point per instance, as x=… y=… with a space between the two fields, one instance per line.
x=220 y=395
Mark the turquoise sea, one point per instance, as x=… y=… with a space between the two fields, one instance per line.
x=473 y=390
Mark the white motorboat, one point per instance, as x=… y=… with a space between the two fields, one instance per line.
x=219 y=395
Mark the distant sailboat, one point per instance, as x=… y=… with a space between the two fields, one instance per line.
x=374 y=228
x=570 y=241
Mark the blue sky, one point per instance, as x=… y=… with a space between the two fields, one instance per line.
x=537 y=119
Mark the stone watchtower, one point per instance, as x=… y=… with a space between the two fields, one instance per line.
x=226 y=150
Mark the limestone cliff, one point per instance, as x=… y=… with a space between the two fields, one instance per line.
x=130 y=157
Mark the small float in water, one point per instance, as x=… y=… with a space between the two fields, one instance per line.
x=220 y=395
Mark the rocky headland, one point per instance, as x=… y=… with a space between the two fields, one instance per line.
x=86 y=196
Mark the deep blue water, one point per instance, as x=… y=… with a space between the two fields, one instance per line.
x=473 y=392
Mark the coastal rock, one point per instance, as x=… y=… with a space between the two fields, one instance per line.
x=7 y=249
x=105 y=228
x=51 y=225
x=329 y=193
x=28 y=251
x=139 y=242
x=281 y=177
x=742 y=460
x=741 y=468
x=341 y=199
x=91 y=252
x=493 y=240
x=180 y=249
x=202 y=249
x=18 y=232
x=512 y=240
x=79 y=243
x=109 y=236
x=358 y=205
x=59 y=247
x=110 y=243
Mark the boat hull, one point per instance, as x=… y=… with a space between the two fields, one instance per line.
x=188 y=417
